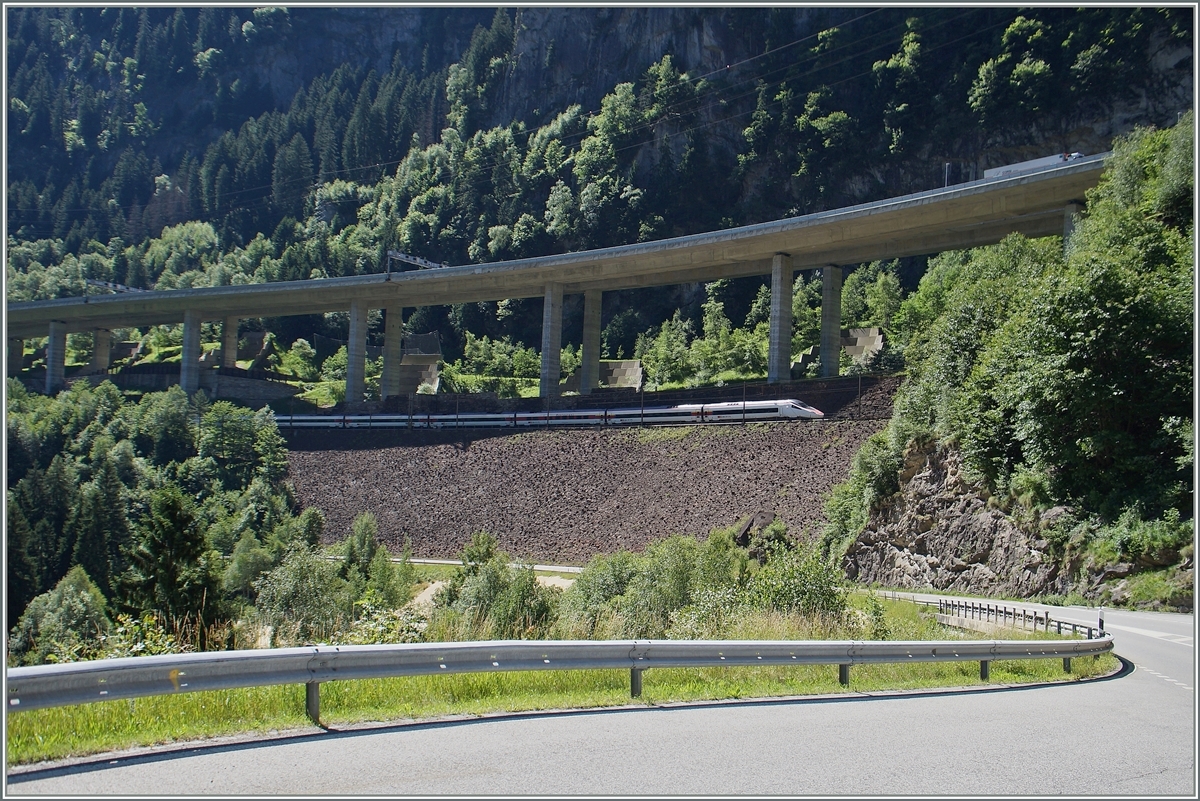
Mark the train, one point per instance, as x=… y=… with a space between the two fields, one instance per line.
x=694 y=413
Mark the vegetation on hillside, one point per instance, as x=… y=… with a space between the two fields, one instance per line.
x=160 y=519
x=112 y=179
x=1064 y=378
x=141 y=524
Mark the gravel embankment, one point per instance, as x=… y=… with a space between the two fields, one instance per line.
x=562 y=496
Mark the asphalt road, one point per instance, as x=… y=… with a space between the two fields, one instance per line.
x=1133 y=734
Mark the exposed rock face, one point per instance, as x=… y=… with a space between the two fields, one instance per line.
x=565 y=56
x=939 y=532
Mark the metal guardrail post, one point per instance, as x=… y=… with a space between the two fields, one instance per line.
x=312 y=702
x=1066 y=664
x=635 y=682
x=844 y=675
x=984 y=669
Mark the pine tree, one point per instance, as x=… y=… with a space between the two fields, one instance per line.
x=361 y=545
x=291 y=176
x=91 y=549
x=21 y=584
x=170 y=570
x=101 y=528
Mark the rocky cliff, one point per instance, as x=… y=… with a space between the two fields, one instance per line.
x=940 y=532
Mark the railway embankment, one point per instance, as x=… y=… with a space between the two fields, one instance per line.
x=564 y=495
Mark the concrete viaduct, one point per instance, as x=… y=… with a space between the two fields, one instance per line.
x=1038 y=203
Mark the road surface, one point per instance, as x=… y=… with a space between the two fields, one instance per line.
x=1133 y=734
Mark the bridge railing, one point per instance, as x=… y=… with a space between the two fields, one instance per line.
x=1001 y=615
x=133 y=677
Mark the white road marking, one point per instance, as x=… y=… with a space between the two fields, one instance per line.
x=1158 y=635
x=1161 y=676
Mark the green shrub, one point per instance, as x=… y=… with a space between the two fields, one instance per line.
x=710 y=614
x=524 y=609
x=378 y=623
x=487 y=598
x=1151 y=543
x=145 y=636
x=334 y=367
x=1161 y=588
x=303 y=598
x=772 y=536
x=662 y=585
x=248 y=562
x=66 y=624
x=360 y=547
x=878 y=616
x=300 y=361
x=800 y=580
x=605 y=578
x=391 y=583
x=874 y=475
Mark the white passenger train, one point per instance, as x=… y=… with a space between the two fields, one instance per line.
x=728 y=412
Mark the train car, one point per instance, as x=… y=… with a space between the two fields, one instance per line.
x=683 y=414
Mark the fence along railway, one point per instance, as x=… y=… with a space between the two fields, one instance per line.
x=684 y=414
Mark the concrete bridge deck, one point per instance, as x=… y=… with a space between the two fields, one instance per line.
x=1036 y=203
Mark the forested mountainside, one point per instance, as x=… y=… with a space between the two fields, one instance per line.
x=1048 y=390
x=162 y=147
x=1044 y=439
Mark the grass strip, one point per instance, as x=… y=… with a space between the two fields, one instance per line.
x=47 y=734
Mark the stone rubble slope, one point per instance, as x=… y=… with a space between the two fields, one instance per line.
x=562 y=496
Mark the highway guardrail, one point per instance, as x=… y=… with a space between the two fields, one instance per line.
x=43 y=686
x=1018 y=617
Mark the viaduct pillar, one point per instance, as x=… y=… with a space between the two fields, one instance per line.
x=831 y=320
x=56 y=357
x=1069 y=212
x=589 y=370
x=779 y=353
x=101 y=349
x=189 y=365
x=393 y=337
x=356 y=354
x=16 y=355
x=229 y=342
x=551 y=340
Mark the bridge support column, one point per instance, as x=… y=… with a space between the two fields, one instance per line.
x=101 y=349
x=551 y=340
x=16 y=355
x=589 y=370
x=831 y=320
x=356 y=354
x=56 y=357
x=779 y=353
x=229 y=342
x=1069 y=212
x=189 y=365
x=393 y=337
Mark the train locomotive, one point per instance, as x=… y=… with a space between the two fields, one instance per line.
x=694 y=413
